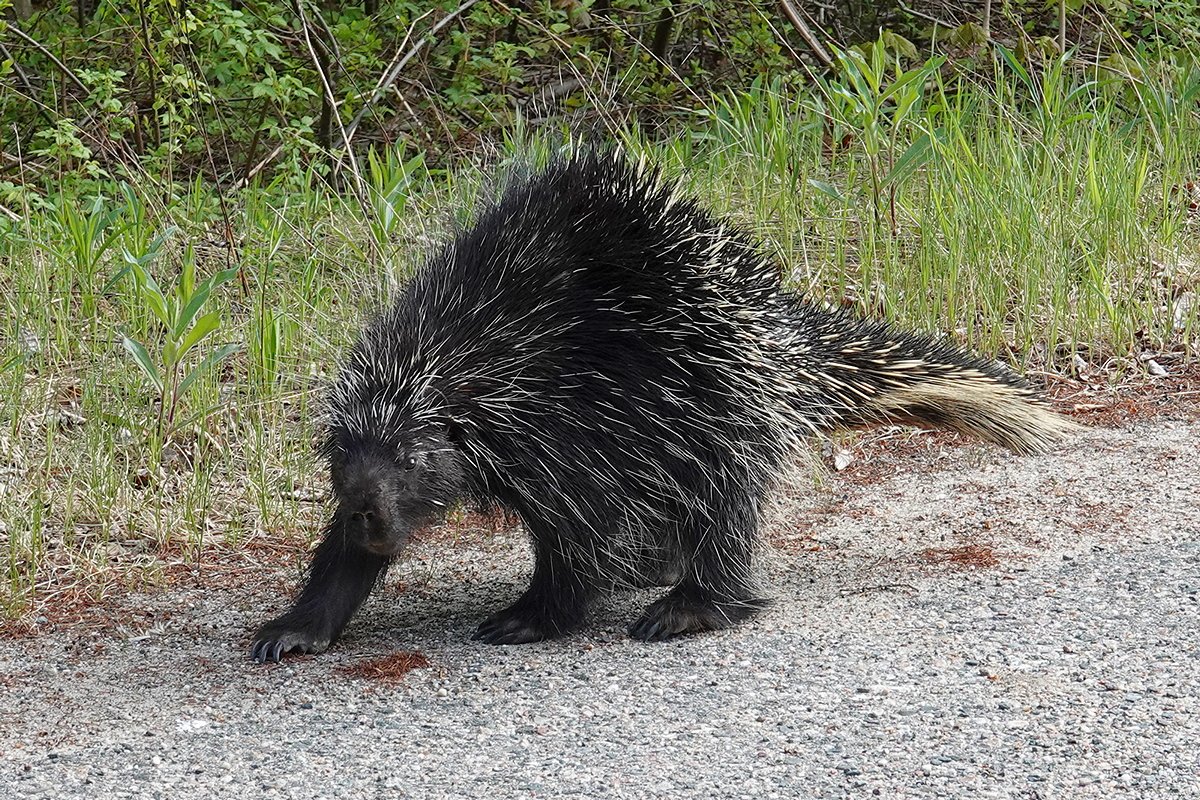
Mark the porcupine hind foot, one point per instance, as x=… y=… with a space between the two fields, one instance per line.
x=554 y=604
x=691 y=609
x=716 y=591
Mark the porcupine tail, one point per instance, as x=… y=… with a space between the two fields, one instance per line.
x=867 y=372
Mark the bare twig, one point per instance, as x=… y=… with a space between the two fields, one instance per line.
x=358 y=184
x=805 y=32
x=394 y=72
x=29 y=40
x=257 y=168
x=589 y=84
x=389 y=76
x=24 y=80
x=1062 y=26
x=884 y=587
x=87 y=131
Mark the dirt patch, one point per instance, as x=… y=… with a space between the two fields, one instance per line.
x=466 y=526
x=966 y=556
x=1094 y=403
x=390 y=668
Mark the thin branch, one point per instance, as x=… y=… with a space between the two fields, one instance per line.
x=24 y=80
x=388 y=77
x=257 y=168
x=566 y=50
x=29 y=40
x=101 y=145
x=331 y=98
x=392 y=74
x=806 y=33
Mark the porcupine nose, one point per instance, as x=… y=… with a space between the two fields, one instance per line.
x=365 y=519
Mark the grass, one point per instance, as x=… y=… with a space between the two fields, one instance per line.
x=1035 y=216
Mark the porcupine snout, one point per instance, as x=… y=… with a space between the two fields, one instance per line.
x=373 y=495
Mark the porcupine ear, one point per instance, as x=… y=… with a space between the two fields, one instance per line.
x=454 y=433
x=463 y=391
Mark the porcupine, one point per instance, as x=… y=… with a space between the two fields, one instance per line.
x=625 y=372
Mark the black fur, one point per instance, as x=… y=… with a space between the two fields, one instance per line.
x=615 y=366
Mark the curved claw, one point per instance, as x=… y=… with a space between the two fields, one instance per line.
x=675 y=615
x=653 y=628
x=273 y=640
x=511 y=627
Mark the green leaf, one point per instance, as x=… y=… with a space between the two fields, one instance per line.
x=827 y=189
x=898 y=44
x=855 y=67
x=11 y=362
x=120 y=422
x=967 y=35
x=1016 y=66
x=156 y=244
x=187 y=274
x=194 y=304
x=142 y=359
x=878 y=63
x=198 y=298
x=210 y=361
x=203 y=327
x=156 y=302
x=115 y=279
x=413 y=164
x=914 y=79
x=200 y=415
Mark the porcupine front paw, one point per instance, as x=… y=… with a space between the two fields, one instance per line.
x=679 y=613
x=287 y=634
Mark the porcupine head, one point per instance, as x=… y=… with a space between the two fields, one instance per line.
x=393 y=470
x=387 y=490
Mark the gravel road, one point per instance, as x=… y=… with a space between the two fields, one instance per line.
x=952 y=621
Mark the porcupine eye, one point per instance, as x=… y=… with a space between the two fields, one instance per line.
x=410 y=463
